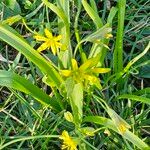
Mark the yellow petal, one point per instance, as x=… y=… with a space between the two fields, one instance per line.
x=42 y=47
x=58 y=45
x=48 y=33
x=58 y=38
x=53 y=48
x=65 y=134
x=66 y=73
x=74 y=64
x=108 y=36
x=90 y=63
x=40 y=38
x=100 y=70
x=93 y=80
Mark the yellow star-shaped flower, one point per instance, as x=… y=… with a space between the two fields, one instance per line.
x=50 y=41
x=68 y=143
x=87 y=73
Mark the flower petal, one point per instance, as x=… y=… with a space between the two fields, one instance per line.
x=48 y=33
x=90 y=63
x=66 y=73
x=40 y=38
x=58 y=45
x=74 y=64
x=100 y=70
x=93 y=80
x=42 y=47
x=58 y=38
x=53 y=48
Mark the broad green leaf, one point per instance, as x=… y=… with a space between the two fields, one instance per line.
x=75 y=95
x=19 y=83
x=135 y=98
x=14 y=39
x=111 y=125
x=76 y=101
x=94 y=6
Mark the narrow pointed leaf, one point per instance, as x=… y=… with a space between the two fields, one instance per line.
x=19 y=83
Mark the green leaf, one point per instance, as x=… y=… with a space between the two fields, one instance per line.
x=19 y=83
x=14 y=39
x=111 y=125
x=99 y=34
x=12 y=20
x=137 y=58
x=93 y=14
x=135 y=98
x=75 y=94
x=13 y=5
x=96 y=37
x=111 y=15
x=120 y=123
x=99 y=48
x=143 y=91
x=118 y=52
x=76 y=101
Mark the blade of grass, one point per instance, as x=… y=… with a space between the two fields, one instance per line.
x=93 y=14
x=135 y=98
x=21 y=138
x=118 y=52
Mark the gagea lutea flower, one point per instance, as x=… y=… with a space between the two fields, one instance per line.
x=50 y=41
x=87 y=73
x=68 y=142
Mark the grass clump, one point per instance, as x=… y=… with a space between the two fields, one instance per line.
x=75 y=80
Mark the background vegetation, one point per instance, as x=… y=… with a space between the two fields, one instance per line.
x=33 y=119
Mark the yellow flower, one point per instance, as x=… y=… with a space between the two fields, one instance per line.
x=108 y=36
x=68 y=143
x=87 y=73
x=120 y=123
x=50 y=41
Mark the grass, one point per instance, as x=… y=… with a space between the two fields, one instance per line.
x=42 y=94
